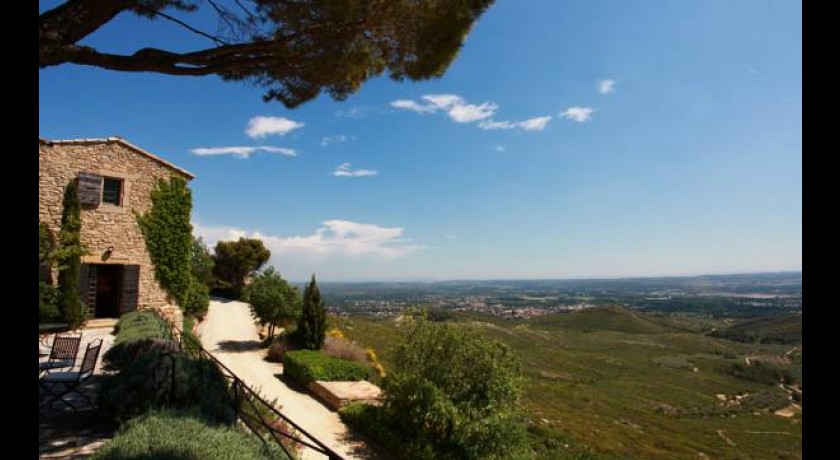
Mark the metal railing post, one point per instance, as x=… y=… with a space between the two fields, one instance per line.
x=250 y=396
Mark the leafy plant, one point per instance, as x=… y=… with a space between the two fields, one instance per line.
x=759 y=372
x=137 y=333
x=173 y=435
x=202 y=262
x=122 y=354
x=279 y=346
x=374 y=361
x=47 y=252
x=47 y=303
x=197 y=299
x=273 y=301
x=293 y=50
x=306 y=366
x=69 y=258
x=312 y=325
x=174 y=380
x=457 y=392
x=168 y=233
x=236 y=260
x=140 y=324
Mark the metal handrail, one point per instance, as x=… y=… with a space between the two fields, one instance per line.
x=238 y=386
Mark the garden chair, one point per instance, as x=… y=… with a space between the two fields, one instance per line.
x=60 y=384
x=62 y=354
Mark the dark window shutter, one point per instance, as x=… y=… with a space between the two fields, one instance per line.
x=87 y=287
x=45 y=273
x=130 y=288
x=90 y=188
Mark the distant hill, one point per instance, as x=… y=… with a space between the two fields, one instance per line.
x=602 y=319
x=609 y=382
x=785 y=329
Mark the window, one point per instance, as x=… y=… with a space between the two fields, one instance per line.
x=112 y=191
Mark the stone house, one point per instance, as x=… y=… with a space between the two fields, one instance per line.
x=115 y=180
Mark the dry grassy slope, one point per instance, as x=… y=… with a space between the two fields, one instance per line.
x=610 y=377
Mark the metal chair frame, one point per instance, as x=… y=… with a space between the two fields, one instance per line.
x=63 y=353
x=60 y=384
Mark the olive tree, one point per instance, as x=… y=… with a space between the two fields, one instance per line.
x=274 y=302
x=455 y=394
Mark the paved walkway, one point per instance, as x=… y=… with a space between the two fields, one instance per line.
x=229 y=333
x=67 y=435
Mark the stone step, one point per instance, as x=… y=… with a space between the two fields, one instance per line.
x=100 y=323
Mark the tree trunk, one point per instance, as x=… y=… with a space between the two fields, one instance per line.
x=60 y=28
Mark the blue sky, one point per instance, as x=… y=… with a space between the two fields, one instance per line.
x=674 y=146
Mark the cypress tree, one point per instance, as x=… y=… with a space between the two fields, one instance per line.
x=312 y=325
x=69 y=301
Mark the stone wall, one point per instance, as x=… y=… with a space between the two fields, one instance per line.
x=107 y=225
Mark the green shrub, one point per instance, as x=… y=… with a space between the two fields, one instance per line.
x=550 y=443
x=171 y=435
x=47 y=303
x=457 y=393
x=189 y=323
x=123 y=353
x=197 y=301
x=137 y=333
x=759 y=372
x=148 y=383
x=145 y=324
x=372 y=421
x=280 y=346
x=305 y=366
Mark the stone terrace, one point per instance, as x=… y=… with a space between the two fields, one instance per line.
x=65 y=435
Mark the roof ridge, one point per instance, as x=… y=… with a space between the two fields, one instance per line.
x=122 y=141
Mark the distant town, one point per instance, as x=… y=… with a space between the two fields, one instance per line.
x=718 y=295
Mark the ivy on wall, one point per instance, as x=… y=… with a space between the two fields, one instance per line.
x=168 y=234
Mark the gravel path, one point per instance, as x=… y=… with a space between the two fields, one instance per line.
x=229 y=333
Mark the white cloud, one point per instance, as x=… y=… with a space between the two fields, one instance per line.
x=494 y=125
x=260 y=127
x=578 y=114
x=468 y=113
x=531 y=124
x=501 y=148
x=407 y=104
x=345 y=170
x=336 y=238
x=337 y=139
x=455 y=106
x=535 y=124
x=460 y=111
x=443 y=101
x=606 y=86
x=241 y=151
x=353 y=112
